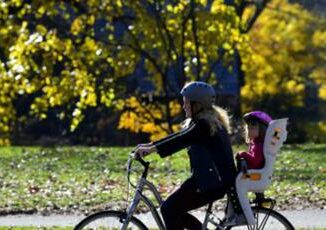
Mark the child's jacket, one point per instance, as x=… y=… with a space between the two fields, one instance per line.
x=255 y=155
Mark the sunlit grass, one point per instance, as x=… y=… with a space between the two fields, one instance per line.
x=83 y=179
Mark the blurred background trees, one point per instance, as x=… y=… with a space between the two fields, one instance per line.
x=73 y=72
x=288 y=73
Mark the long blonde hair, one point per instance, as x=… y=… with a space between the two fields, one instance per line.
x=216 y=117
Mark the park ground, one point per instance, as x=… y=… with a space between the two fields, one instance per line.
x=80 y=180
x=302 y=220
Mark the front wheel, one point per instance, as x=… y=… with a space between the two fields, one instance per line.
x=267 y=219
x=109 y=220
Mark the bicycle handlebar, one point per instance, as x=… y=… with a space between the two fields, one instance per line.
x=144 y=163
x=146 y=166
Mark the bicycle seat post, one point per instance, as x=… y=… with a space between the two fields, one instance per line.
x=260 y=196
x=207 y=216
x=209 y=208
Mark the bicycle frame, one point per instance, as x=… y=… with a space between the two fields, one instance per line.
x=142 y=183
x=139 y=196
x=127 y=216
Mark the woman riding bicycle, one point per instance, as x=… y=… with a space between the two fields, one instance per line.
x=209 y=149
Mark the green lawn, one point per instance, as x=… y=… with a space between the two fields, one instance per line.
x=70 y=179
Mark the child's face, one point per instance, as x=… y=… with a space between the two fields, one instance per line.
x=253 y=131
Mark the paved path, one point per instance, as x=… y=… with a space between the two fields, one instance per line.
x=302 y=219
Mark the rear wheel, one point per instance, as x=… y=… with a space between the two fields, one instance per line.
x=267 y=219
x=112 y=220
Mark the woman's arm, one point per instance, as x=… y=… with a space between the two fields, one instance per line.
x=195 y=133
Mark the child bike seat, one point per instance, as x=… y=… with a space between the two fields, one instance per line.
x=257 y=180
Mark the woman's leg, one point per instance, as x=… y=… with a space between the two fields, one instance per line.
x=175 y=208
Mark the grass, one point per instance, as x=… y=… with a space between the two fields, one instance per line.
x=82 y=179
x=300 y=176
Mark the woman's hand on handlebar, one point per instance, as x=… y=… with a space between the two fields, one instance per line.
x=143 y=150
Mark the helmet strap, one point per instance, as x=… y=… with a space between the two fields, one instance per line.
x=193 y=113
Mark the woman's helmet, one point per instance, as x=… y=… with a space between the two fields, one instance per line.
x=199 y=92
x=257 y=115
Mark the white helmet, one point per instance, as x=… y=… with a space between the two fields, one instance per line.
x=199 y=91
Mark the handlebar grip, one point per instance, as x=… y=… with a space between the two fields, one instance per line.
x=145 y=164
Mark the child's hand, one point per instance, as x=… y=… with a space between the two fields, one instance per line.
x=239 y=155
x=242 y=165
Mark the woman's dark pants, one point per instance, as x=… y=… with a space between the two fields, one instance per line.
x=187 y=197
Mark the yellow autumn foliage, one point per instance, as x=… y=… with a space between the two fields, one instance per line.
x=71 y=64
x=140 y=117
x=288 y=50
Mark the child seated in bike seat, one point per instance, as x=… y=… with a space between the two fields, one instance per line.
x=256 y=123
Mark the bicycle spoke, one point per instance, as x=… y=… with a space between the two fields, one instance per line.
x=264 y=221
x=267 y=219
x=257 y=221
x=109 y=220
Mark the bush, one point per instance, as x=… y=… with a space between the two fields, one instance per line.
x=315 y=131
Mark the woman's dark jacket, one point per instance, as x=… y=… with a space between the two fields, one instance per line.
x=211 y=157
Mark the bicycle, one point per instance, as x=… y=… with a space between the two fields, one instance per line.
x=265 y=217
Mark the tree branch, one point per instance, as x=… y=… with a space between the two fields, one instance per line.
x=194 y=31
x=259 y=9
x=170 y=48
x=183 y=29
x=221 y=53
x=139 y=49
x=160 y=21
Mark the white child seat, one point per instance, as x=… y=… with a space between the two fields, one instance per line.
x=257 y=180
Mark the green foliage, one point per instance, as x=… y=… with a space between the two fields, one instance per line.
x=316 y=131
x=58 y=180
